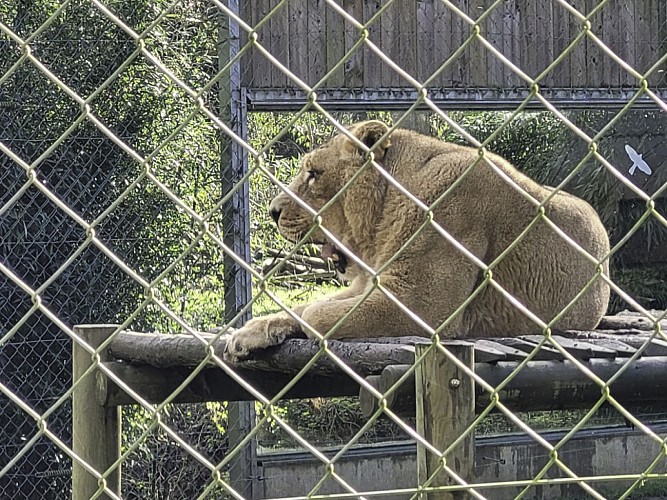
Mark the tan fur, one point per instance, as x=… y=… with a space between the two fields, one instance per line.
x=433 y=279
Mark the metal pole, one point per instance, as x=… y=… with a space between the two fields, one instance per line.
x=236 y=235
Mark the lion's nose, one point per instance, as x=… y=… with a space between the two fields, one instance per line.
x=275 y=214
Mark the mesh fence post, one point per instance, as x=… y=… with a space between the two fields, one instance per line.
x=445 y=409
x=236 y=234
x=96 y=429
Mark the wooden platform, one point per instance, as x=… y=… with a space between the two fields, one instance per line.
x=155 y=365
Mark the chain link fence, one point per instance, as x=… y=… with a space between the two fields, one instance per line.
x=125 y=196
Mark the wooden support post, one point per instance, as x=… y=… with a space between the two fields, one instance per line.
x=445 y=408
x=95 y=428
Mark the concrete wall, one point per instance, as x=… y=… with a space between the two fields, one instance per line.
x=593 y=452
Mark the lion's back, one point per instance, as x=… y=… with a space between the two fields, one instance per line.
x=489 y=209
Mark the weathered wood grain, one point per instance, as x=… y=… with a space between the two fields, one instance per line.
x=596 y=58
x=310 y=37
x=425 y=20
x=299 y=30
x=185 y=350
x=354 y=65
x=548 y=385
x=445 y=408
x=576 y=347
x=477 y=53
x=155 y=385
x=552 y=385
x=279 y=48
x=96 y=430
x=335 y=46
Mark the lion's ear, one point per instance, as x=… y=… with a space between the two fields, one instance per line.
x=369 y=133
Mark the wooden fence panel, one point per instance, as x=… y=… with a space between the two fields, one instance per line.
x=310 y=37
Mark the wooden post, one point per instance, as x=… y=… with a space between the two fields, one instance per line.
x=95 y=428
x=445 y=408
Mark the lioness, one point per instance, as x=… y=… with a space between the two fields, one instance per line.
x=484 y=208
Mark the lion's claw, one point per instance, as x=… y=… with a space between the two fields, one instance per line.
x=234 y=351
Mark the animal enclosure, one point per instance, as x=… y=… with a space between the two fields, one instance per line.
x=138 y=141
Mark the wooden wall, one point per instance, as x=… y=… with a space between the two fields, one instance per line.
x=309 y=37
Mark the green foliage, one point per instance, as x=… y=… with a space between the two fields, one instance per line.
x=326 y=422
x=529 y=141
x=158 y=466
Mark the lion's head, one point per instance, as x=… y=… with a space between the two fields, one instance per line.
x=322 y=182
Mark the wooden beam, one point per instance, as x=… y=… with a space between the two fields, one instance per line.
x=289 y=357
x=445 y=397
x=560 y=385
x=95 y=428
x=628 y=321
x=550 y=385
x=401 y=400
x=156 y=384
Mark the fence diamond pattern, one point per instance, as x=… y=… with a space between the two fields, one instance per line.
x=116 y=134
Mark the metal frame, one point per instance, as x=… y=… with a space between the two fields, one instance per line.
x=465 y=99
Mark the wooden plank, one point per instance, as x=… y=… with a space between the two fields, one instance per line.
x=372 y=62
x=496 y=70
x=626 y=35
x=545 y=353
x=611 y=70
x=510 y=40
x=653 y=15
x=261 y=69
x=550 y=385
x=578 y=52
x=661 y=43
x=644 y=13
x=246 y=13
x=634 y=339
x=425 y=53
x=627 y=322
x=477 y=53
x=578 y=348
x=443 y=41
x=317 y=36
x=511 y=354
x=545 y=40
x=483 y=352
x=96 y=430
x=279 y=36
x=297 y=41
x=335 y=26
x=289 y=357
x=445 y=409
x=622 y=350
x=560 y=75
x=155 y=384
x=388 y=24
x=354 y=65
x=407 y=38
x=528 y=29
x=596 y=59
x=657 y=347
x=460 y=31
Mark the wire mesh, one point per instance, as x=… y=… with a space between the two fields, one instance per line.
x=122 y=125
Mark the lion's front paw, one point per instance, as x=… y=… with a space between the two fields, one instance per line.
x=258 y=334
x=237 y=348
